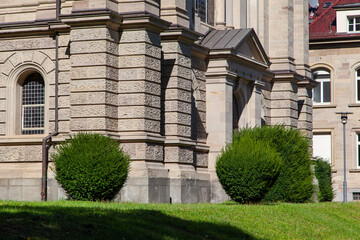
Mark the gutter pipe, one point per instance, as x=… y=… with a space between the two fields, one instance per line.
x=45 y=152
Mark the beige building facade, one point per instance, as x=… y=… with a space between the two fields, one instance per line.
x=335 y=63
x=170 y=80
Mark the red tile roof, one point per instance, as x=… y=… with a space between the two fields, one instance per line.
x=323 y=21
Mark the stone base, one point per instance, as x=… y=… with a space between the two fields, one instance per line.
x=188 y=185
x=29 y=189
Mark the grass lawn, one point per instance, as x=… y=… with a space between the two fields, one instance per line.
x=86 y=220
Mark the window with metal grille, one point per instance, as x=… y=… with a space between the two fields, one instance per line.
x=356 y=196
x=33 y=104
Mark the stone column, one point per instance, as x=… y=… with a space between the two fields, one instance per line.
x=220 y=21
x=255 y=104
x=219 y=121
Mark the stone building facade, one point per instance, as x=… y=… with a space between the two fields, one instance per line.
x=169 y=79
x=335 y=62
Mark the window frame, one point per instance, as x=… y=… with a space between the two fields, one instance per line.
x=14 y=100
x=357 y=85
x=321 y=82
x=352 y=20
x=357 y=150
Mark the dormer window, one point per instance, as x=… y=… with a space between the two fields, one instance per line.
x=354 y=24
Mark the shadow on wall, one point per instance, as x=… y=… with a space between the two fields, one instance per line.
x=54 y=222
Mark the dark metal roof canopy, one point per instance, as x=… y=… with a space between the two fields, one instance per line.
x=232 y=39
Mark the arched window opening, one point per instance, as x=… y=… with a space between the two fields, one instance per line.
x=33 y=105
x=322 y=92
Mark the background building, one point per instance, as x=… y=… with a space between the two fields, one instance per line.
x=335 y=63
x=169 y=79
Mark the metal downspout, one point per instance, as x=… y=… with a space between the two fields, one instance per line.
x=44 y=164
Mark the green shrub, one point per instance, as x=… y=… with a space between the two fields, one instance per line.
x=323 y=175
x=247 y=169
x=294 y=183
x=91 y=167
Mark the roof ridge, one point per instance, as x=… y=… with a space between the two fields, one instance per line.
x=324 y=12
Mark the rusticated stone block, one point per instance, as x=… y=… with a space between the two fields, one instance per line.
x=20 y=153
x=178 y=154
x=177 y=106
x=93 y=72
x=93 y=124
x=94 y=98
x=139 y=87
x=177 y=59
x=177 y=118
x=140 y=36
x=177 y=71
x=176 y=82
x=139 y=61
x=176 y=47
x=147 y=125
x=201 y=159
x=29 y=44
x=98 y=46
x=138 y=100
x=94 y=34
x=143 y=151
x=178 y=94
x=139 y=48
x=139 y=112
x=93 y=59
x=93 y=85
x=84 y=111
x=177 y=130
x=140 y=74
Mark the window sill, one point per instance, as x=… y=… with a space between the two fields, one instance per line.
x=324 y=106
x=357 y=170
x=354 y=105
x=333 y=171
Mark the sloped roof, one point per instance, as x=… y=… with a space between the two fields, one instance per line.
x=224 y=39
x=323 y=20
x=240 y=41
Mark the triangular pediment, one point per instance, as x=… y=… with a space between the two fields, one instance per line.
x=242 y=42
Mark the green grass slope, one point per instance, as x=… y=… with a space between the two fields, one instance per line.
x=86 y=220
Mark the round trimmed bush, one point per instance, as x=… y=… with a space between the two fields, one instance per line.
x=294 y=183
x=91 y=167
x=323 y=175
x=247 y=169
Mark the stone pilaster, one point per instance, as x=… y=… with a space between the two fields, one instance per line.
x=301 y=45
x=177 y=80
x=139 y=118
x=305 y=107
x=219 y=122
x=175 y=12
x=94 y=84
x=284 y=100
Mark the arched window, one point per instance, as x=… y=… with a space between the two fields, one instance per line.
x=33 y=105
x=357 y=73
x=322 y=92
